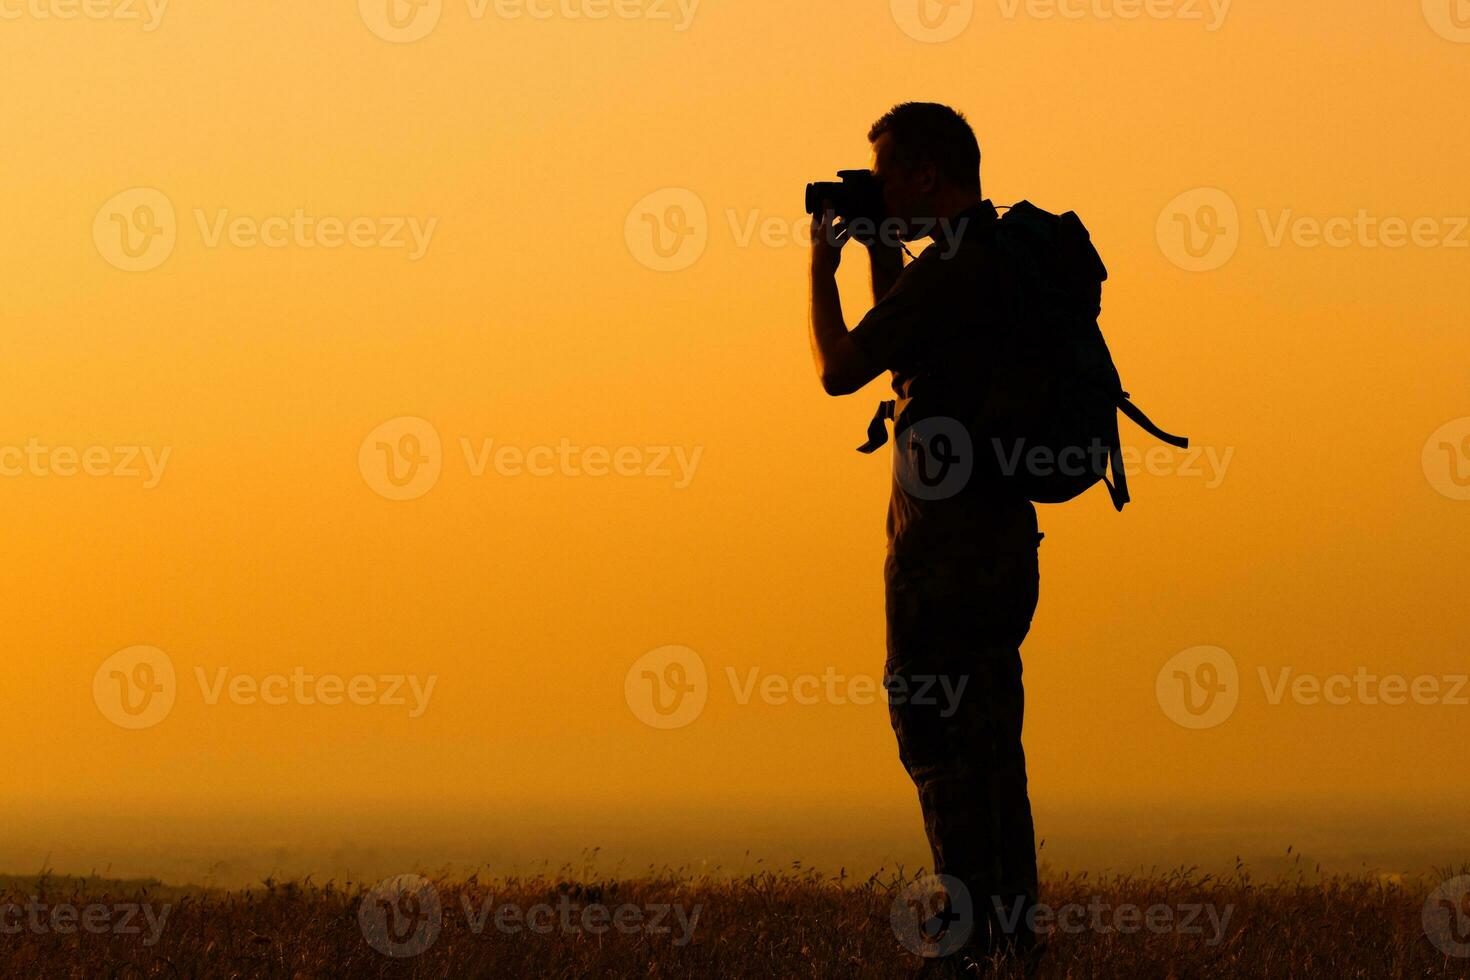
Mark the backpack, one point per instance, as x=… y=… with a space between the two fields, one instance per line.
x=1043 y=417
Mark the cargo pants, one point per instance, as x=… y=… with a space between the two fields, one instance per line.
x=953 y=676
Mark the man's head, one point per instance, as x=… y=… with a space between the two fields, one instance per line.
x=929 y=162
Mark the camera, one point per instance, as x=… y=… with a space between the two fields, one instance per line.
x=857 y=195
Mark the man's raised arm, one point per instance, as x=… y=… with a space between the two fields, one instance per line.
x=840 y=363
x=885 y=261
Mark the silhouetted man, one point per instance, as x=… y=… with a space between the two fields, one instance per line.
x=961 y=572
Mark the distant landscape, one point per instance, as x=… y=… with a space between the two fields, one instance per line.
x=1260 y=891
x=237 y=848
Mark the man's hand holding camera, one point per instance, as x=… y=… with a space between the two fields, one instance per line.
x=829 y=235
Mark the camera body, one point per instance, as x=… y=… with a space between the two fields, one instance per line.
x=857 y=195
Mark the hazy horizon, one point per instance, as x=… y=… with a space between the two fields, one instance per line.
x=236 y=847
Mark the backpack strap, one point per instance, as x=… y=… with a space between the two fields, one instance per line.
x=1146 y=424
x=1118 y=486
x=878 y=428
x=891 y=409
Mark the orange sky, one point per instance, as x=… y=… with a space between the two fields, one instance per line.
x=514 y=157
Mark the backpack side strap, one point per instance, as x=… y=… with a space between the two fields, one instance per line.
x=1118 y=485
x=878 y=429
x=1146 y=424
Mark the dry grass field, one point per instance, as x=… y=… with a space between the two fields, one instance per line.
x=795 y=923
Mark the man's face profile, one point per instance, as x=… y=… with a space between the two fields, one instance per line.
x=907 y=191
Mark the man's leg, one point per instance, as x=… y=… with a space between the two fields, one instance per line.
x=956 y=702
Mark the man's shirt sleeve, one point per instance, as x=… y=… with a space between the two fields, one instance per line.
x=899 y=325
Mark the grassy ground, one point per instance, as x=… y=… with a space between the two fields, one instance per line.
x=795 y=924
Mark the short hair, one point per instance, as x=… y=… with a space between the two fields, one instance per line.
x=936 y=133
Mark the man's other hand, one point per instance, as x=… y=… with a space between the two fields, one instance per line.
x=828 y=237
